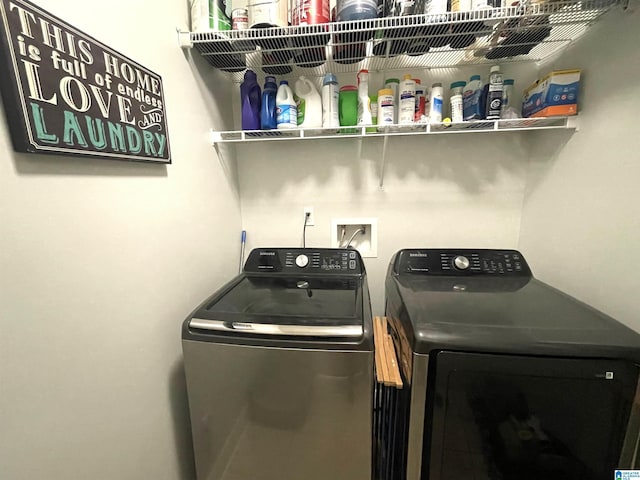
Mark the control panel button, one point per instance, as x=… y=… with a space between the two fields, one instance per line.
x=352 y=264
x=302 y=261
x=461 y=262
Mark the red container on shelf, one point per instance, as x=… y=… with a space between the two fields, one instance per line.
x=310 y=12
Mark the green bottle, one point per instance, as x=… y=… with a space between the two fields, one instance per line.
x=218 y=19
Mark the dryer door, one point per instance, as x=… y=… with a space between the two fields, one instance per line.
x=526 y=418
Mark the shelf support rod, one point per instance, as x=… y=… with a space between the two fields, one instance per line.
x=216 y=145
x=384 y=159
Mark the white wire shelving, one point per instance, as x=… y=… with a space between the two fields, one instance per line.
x=366 y=132
x=529 y=32
x=481 y=126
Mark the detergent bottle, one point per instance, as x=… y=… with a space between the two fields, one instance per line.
x=309 y=104
x=286 y=111
x=268 y=109
x=250 y=99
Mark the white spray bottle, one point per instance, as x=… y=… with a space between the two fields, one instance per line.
x=364 y=103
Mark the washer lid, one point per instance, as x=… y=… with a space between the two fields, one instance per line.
x=286 y=305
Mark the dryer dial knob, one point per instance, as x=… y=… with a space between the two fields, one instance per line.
x=461 y=262
x=302 y=261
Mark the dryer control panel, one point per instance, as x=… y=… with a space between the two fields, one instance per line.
x=333 y=261
x=460 y=262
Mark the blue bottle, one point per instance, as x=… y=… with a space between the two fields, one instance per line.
x=250 y=99
x=268 y=109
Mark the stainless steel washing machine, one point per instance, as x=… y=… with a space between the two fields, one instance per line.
x=279 y=367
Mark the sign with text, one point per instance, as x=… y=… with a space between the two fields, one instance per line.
x=66 y=93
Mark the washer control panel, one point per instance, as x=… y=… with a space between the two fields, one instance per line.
x=460 y=262
x=305 y=260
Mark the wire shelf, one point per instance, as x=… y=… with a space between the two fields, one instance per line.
x=528 y=32
x=515 y=125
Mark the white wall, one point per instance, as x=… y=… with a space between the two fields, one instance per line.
x=581 y=221
x=100 y=262
x=439 y=191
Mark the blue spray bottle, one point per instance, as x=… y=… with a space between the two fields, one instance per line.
x=268 y=110
x=250 y=98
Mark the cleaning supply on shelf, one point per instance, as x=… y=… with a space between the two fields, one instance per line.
x=494 y=94
x=394 y=85
x=434 y=7
x=461 y=5
x=508 y=109
x=250 y=101
x=310 y=12
x=348 y=105
x=373 y=101
x=456 y=101
x=309 y=104
x=364 y=104
x=385 y=107
x=553 y=95
x=330 y=98
x=347 y=10
x=471 y=99
x=407 y=95
x=208 y=15
x=486 y=4
x=286 y=111
x=268 y=108
x=436 y=101
x=268 y=13
x=420 y=114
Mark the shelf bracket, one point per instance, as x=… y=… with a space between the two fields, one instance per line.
x=184 y=38
x=219 y=152
x=216 y=138
x=573 y=122
x=384 y=159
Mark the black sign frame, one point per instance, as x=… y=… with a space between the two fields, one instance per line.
x=66 y=93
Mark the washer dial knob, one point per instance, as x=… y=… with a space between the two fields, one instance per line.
x=461 y=262
x=302 y=260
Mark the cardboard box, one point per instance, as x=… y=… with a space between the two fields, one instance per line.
x=555 y=95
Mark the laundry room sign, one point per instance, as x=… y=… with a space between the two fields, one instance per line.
x=66 y=93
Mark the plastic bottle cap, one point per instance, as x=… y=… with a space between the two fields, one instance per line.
x=436 y=85
x=268 y=79
x=417 y=80
x=385 y=91
x=495 y=68
x=474 y=77
x=391 y=80
x=407 y=77
x=249 y=74
x=284 y=82
x=458 y=84
x=364 y=70
x=329 y=78
x=508 y=81
x=348 y=88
